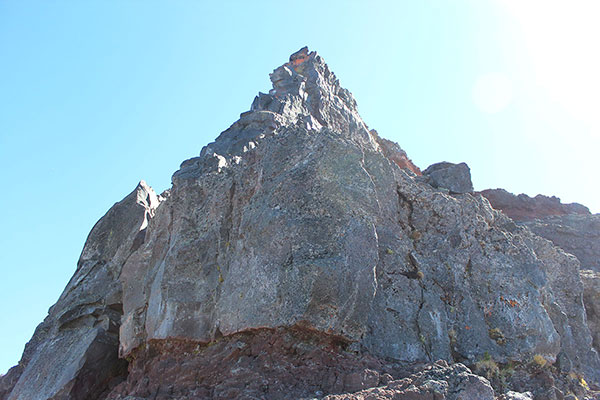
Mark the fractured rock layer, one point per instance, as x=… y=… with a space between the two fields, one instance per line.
x=591 y=298
x=267 y=363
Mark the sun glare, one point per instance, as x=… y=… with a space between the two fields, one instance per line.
x=562 y=43
x=492 y=92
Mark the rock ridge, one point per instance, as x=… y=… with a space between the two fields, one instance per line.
x=524 y=208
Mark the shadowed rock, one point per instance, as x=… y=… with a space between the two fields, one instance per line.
x=591 y=299
x=74 y=353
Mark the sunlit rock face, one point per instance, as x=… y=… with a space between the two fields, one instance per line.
x=572 y=228
x=300 y=216
x=295 y=215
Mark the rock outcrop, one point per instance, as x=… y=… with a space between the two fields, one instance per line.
x=394 y=153
x=266 y=363
x=74 y=353
x=591 y=299
x=454 y=177
x=296 y=234
x=569 y=226
x=524 y=208
x=577 y=234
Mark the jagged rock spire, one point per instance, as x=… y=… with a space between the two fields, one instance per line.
x=306 y=94
x=304 y=88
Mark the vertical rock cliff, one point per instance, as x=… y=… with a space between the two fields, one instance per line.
x=302 y=241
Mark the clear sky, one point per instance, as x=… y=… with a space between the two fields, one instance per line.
x=97 y=95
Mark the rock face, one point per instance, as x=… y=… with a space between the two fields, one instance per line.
x=591 y=298
x=569 y=226
x=524 y=208
x=298 y=217
x=394 y=153
x=74 y=353
x=454 y=177
x=577 y=234
x=267 y=363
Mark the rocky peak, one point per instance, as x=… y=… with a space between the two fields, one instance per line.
x=306 y=95
x=307 y=81
x=300 y=238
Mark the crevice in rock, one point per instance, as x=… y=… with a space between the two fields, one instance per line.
x=405 y=203
x=415 y=272
x=137 y=241
x=362 y=165
x=422 y=338
x=227 y=224
x=94 y=384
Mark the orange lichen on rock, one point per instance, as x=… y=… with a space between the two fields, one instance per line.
x=511 y=303
x=394 y=153
x=299 y=57
x=298 y=61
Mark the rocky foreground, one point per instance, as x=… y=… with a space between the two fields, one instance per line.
x=303 y=256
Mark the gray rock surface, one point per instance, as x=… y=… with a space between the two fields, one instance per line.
x=510 y=395
x=295 y=216
x=454 y=177
x=437 y=382
x=577 y=234
x=569 y=226
x=591 y=299
x=74 y=353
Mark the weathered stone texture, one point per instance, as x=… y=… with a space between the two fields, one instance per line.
x=281 y=221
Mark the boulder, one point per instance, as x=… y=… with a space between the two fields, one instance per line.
x=436 y=382
x=454 y=177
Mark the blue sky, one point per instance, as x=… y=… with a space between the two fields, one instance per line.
x=97 y=95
